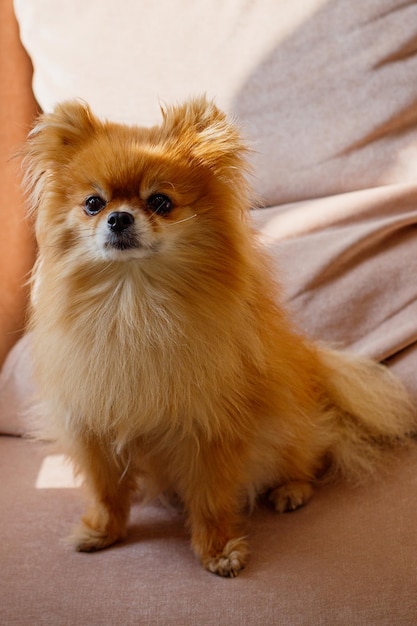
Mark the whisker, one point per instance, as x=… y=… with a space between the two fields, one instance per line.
x=185 y=219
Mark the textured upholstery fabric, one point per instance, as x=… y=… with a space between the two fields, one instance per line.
x=346 y=558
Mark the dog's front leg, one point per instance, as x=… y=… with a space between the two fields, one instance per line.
x=110 y=486
x=217 y=542
x=213 y=499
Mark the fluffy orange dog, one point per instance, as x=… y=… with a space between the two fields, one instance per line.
x=160 y=347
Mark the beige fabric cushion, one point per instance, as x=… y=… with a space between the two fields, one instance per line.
x=348 y=266
x=325 y=91
x=17 y=392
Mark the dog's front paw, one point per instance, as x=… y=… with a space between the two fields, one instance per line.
x=85 y=538
x=230 y=561
x=291 y=496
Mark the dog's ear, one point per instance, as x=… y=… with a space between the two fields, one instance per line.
x=56 y=134
x=51 y=145
x=204 y=134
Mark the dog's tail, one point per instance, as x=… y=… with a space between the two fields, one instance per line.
x=374 y=413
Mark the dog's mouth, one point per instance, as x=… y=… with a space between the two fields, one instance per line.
x=122 y=241
x=127 y=245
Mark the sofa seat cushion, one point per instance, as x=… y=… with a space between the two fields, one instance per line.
x=348 y=557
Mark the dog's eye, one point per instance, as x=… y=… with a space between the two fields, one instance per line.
x=159 y=203
x=94 y=204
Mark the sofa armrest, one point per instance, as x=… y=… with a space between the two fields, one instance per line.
x=17 y=110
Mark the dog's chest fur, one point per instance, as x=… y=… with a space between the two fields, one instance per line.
x=136 y=358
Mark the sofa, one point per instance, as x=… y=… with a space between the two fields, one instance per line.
x=326 y=93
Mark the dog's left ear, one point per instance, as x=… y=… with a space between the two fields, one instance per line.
x=205 y=134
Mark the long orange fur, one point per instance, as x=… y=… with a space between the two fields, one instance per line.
x=171 y=359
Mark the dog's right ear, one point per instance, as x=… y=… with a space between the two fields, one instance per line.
x=56 y=134
x=51 y=145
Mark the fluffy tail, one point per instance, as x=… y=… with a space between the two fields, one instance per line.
x=375 y=413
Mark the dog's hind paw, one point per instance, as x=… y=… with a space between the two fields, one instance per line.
x=291 y=496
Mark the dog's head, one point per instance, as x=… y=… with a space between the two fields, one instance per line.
x=114 y=192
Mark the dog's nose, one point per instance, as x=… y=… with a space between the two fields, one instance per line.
x=119 y=221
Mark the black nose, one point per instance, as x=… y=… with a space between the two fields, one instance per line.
x=118 y=221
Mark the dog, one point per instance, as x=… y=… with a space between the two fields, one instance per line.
x=162 y=349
